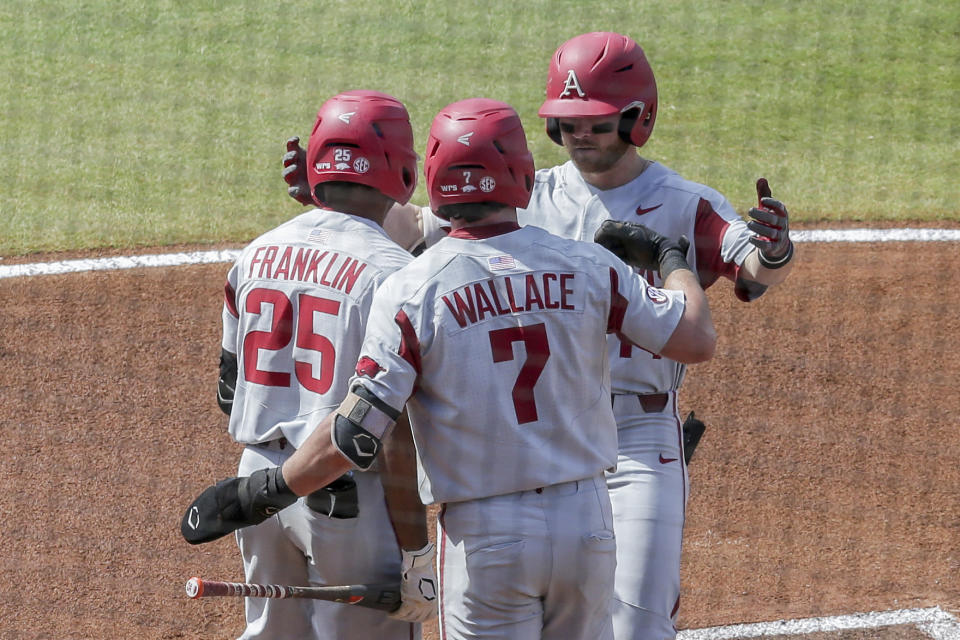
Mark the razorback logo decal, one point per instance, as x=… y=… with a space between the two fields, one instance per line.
x=368 y=367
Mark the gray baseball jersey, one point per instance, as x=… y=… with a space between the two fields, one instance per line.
x=649 y=487
x=295 y=310
x=563 y=203
x=497 y=337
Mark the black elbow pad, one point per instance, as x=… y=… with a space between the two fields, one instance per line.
x=748 y=290
x=227 y=384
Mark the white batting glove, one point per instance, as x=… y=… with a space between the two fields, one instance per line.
x=418 y=590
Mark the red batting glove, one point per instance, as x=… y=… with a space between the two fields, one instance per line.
x=295 y=172
x=770 y=225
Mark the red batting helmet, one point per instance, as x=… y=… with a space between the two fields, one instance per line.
x=477 y=152
x=600 y=74
x=363 y=137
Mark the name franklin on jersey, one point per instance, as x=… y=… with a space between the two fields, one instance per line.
x=514 y=294
x=278 y=262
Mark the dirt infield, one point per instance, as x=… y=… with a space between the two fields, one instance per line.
x=827 y=482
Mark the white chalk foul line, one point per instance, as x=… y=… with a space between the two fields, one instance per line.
x=208 y=257
x=934 y=621
x=942 y=630
x=876 y=235
x=118 y=262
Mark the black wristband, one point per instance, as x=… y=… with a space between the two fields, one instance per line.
x=671 y=260
x=279 y=484
x=767 y=263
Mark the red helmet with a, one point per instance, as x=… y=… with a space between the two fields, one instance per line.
x=478 y=152
x=363 y=137
x=601 y=74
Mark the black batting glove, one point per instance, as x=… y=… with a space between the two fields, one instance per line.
x=295 y=172
x=770 y=225
x=235 y=503
x=642 y=247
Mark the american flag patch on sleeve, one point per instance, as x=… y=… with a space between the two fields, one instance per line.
x=499 y=263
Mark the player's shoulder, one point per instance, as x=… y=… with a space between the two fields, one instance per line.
x=557 y=178
x=564 y=250
x=414 y=280
x=669 y=182
x=558 y=189
x=549 y=175
x=359 y=237
x=293 y=231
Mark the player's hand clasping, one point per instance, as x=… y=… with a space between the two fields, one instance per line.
x=637 y=245
x=770 y=225
x=235 y=503
x=295 y=172
x=418 y=589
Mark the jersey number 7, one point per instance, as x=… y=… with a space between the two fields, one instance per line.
x=280 y=334
x=534 y=338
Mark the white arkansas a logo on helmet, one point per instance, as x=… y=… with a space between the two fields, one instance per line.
x=572 y=83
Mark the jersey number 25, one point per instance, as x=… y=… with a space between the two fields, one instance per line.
x=280 y=334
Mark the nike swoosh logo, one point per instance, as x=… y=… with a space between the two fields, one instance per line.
x=641 y=210
x=666 y=460
x=272 y=510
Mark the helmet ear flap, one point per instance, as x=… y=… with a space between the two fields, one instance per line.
x=634 y=131
x=553 y=130
x=627 y=121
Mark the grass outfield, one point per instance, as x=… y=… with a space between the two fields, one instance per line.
x=131 y=123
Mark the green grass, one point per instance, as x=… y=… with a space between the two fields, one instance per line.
x=136 y=123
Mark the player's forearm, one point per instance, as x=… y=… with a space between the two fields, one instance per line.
x=316 y=463
x=753 y=270
x=399 y=478
x=404 y=225
x=694 y=339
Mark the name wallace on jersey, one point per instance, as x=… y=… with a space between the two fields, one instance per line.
x=514 y=294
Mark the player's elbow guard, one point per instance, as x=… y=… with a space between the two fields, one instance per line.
x=227 y=384
x=359 y=424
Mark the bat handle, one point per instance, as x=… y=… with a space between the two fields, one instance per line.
x=197 y=588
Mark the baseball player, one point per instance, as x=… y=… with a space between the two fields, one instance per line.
x=601 y=105
x=488 y=338
x=295 y=311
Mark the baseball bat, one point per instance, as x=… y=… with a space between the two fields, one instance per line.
x=382 y=596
